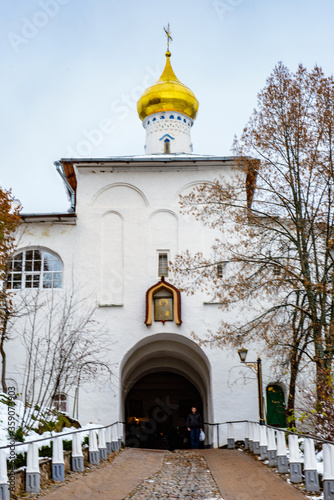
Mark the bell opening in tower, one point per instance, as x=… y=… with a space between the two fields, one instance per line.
x=167 y=146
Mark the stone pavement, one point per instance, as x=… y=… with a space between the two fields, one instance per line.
x=137 y=474
x=114 y=481
x=240 y=477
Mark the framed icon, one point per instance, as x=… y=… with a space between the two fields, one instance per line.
x=163 y=309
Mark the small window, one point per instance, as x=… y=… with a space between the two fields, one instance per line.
x=163 y=265
x=166 y=146
x=60 y=402
x=185 y=121
x=162 y=117
x=179 y=117
x=171 y=117
x=219 y=270
x=148 y=122
x=154 y=119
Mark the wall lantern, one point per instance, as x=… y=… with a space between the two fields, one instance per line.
x=257 y=366
x=243 y=354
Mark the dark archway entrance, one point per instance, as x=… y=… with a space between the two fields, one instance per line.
x=156 y=408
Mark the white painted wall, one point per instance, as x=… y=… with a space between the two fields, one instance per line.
x=125 y=215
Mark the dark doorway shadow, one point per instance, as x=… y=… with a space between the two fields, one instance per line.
x=156 y=409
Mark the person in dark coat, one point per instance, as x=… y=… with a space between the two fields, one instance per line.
x=194 y=425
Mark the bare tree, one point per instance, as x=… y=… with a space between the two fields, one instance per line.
x=274 y=242
x=63 y=343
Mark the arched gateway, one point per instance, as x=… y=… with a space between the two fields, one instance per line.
x=162 y=377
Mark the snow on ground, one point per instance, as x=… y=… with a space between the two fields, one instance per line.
x=32 y=435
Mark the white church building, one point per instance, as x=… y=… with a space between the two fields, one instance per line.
x=116 y=240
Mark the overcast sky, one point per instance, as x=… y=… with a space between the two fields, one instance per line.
x=73 y=67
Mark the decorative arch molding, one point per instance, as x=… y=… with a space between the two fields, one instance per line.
x=112 y=212
x=97 y=195
x=164 y=211
x=168 y=352
x=112 y=269
x=188 y=186
x=169 y=288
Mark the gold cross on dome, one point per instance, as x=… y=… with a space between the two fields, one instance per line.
x=167 y=31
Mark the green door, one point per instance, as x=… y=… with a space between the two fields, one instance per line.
x=275 y=406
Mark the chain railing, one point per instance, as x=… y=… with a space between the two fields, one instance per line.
x=109 y=440
x=277 y=445
x=282 y=450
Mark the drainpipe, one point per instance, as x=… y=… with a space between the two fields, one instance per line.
x=70 y=190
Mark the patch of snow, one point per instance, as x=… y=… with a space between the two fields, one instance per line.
x=32 y=435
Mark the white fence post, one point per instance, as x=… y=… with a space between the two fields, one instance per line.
x=114 y=442
x=246 y=435
x=108 y=440
x=102 y=444
x=294 y=460
x=32 y=470
x=77 y=455
x=251 y=436
x=282 y=456
x=256 y=439
x=94 y=456
x=328 y=476
x=4 y=486
x=120 y=434
x=272 y=448
x=263 y=442
x=230 y=436
x=310 y=466
x=58 y=464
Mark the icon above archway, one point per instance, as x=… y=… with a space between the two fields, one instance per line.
x=163 y=303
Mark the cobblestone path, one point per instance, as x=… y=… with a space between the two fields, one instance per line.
x=138 y=474
x=184 y=474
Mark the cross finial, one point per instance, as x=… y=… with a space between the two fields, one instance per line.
x=167 y=31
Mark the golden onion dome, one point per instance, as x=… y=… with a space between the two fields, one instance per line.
x=167 y=94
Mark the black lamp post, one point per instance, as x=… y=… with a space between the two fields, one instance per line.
x=258 y=367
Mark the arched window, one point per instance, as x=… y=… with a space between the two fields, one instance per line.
x=34 y=268
x=60 y=402
x=171 y=117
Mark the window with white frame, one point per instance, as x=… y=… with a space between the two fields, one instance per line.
x=35 y=268
x=219 y=270
x=163 y=264
x=60 y=402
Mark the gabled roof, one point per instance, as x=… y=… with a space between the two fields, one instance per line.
x=147 y=162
